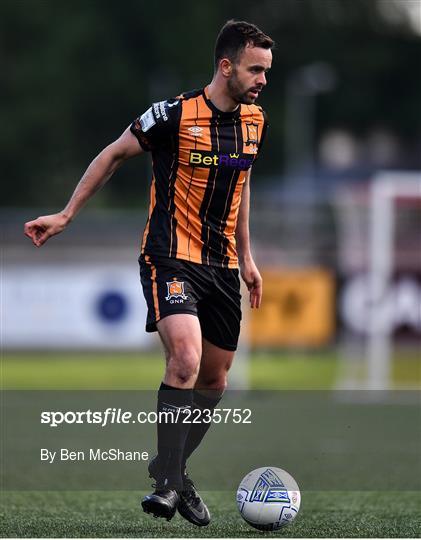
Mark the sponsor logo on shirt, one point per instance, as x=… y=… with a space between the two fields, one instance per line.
x=159 y=110
x=204 y=158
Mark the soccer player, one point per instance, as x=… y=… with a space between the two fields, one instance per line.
x=203 y=145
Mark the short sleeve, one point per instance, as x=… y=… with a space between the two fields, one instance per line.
x=157 y=127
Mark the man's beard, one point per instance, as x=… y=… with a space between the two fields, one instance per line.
x=237 y=91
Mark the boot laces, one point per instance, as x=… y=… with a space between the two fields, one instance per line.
x=189 y=491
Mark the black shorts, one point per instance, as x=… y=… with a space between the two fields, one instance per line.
x=211 y=293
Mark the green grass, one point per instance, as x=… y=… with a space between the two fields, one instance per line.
x=82 y=371
x=117 y=514
x=131 y=371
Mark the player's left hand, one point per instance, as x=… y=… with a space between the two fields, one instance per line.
x=252 y=278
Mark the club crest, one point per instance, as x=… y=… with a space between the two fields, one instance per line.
x=175 y=289
x=252 y=133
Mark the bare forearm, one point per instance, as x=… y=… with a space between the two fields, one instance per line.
x=249 y=272
x=243 y=244
x=96 y=175
x=242 y=235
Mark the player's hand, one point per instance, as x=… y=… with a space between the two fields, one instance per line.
x=252 y=278
x=41 y=229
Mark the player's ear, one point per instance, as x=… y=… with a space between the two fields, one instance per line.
x=225 y=66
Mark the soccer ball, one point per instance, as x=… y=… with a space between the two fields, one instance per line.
x=268 y=498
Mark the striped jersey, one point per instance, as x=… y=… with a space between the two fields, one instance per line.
x=201 y=157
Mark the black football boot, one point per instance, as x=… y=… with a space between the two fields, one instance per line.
x=190 y=505
x=161 y=503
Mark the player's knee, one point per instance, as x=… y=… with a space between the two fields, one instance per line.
x=216 y=381
x=183 y=364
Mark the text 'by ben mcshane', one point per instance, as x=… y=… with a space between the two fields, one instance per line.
x=92 y=454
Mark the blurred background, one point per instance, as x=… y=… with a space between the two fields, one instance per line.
x=336 y=196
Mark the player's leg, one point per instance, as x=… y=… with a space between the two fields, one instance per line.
x=181 y=337
x=208 y=390
x=182 y=340
x=172 y=311
x=219 y=317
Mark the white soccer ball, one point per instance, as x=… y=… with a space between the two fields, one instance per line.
x=268 y=498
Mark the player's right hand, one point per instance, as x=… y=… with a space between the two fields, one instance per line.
x=41 y=229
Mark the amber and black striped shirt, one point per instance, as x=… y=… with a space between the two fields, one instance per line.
x=201 y=157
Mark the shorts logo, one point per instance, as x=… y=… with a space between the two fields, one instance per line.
x=175 y=292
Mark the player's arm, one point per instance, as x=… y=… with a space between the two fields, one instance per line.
x=248 y=268
x=96 y=175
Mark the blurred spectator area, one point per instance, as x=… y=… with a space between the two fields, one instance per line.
x=94 y=236
x=287 y=229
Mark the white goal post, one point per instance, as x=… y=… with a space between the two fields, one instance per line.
x=386 y=187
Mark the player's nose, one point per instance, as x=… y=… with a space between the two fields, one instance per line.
x=261 y=80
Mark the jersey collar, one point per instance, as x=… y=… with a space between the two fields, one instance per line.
x=214 y=109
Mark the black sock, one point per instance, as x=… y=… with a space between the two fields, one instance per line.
x=172 y=434
x=198 y=430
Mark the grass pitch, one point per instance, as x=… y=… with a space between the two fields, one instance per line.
x=117 y=515
x=133 y=371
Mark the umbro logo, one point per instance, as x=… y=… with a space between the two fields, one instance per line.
x=196 y=131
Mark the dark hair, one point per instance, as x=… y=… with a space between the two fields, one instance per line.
x=235 y=36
